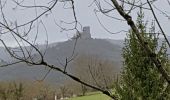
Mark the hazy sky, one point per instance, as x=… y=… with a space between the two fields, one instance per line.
x=85 y=16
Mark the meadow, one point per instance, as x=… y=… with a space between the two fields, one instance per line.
x=93 y=96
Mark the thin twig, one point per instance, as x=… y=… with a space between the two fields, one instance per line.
x=166 y=39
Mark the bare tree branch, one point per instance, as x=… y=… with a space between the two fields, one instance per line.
x=158 y=23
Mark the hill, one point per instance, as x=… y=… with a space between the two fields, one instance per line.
x=57 y=53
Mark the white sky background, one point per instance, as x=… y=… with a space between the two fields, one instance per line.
x=85 y=16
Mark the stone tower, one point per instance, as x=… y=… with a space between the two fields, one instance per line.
x=86 y=33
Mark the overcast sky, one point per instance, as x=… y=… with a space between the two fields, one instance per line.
x=85 y=16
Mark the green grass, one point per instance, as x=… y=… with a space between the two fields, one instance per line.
x=96 y=96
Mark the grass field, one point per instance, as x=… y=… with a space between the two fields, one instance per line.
x=96 y=96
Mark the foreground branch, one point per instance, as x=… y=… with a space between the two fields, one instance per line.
x=78 y=80
x=154 y=15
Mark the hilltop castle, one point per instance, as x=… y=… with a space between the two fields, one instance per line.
x=83 y=35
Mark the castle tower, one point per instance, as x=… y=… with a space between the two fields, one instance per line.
x=83 y=35
x=86 y=33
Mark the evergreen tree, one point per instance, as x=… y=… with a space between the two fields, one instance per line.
x=140 y=79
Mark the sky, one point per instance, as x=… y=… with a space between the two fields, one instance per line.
x=85 y=14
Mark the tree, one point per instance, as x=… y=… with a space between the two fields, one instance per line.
x=14 y=91
x=18 y=91
x=97 y=71
x=63 y=90
x=140 y=79
x=4 y=93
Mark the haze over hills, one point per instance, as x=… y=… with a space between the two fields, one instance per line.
x=57 y=53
